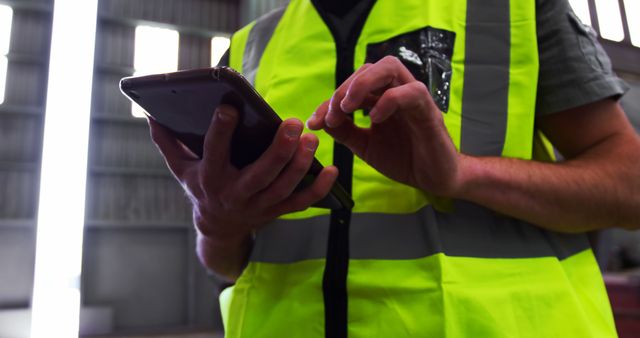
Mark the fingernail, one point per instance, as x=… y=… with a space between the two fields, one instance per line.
x=224 y=115
x=310 y=119
x=293 y=131
x=311 y=145
x=373 y=115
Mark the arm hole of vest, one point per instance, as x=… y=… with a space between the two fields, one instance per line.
x=238 y=45
x=542 y=148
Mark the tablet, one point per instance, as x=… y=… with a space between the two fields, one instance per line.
x=184 y=103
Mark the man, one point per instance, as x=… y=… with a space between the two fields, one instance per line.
x=462 y=226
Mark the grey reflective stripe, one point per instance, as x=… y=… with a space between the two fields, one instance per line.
x=287 y=241
x=257 y=41
x=472 y=231
x=486 y=77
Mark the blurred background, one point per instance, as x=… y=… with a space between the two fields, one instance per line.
x=140 y=275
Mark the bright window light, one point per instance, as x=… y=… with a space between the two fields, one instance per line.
x=609 y=20
x=6 y=15
x=3 y=76
x=581 y=8
x=56 y=289
x=632 y=7
x=156 y=51
x=219 y=46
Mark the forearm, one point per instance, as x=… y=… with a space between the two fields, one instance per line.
x=598 y=189
x=226 y=259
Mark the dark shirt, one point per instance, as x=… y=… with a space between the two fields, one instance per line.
x=574 y=68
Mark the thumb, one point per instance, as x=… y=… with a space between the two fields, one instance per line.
x=352 y=136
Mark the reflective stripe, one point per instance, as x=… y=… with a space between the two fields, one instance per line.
x=259 y=37
x=486 y=78
x=472 y=231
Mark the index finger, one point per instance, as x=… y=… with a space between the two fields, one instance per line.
x=335 y=114
x=384 y=74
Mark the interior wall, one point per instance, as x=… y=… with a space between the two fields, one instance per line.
x=139 y=256
x=21 y=123
x=251 y=9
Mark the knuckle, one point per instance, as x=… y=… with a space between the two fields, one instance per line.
x=282 y=155
x=334 y=102
x=393 y=96
x=300 y=166
x=419 y=87
x=361 y=81
x=341 y=92
x=421 y=91
x=389 y=59
x=392 y=60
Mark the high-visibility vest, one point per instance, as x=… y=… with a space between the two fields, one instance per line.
x=418 y=265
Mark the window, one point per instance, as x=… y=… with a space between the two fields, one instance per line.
x=219 y=46
x=632 y=7
x=581 y=8
x=156 y=51
x=6 y=15
x=610 y=20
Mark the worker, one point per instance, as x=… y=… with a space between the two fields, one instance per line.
x=465 y=223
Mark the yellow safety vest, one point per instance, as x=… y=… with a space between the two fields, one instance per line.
x=418 y=266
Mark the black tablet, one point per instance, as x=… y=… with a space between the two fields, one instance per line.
x=184 y=103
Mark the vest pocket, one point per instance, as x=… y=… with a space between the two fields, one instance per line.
x=426 y=52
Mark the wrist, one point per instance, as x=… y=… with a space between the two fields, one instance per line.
x=470 y=171
x=226 y=257
x=217 y=232
x=226 y=240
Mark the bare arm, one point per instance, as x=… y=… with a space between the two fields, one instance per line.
x=226 y=258
x=597 y=186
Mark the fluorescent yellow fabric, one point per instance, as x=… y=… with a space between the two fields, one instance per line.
x=523 y=79
x=269 y=300
x=435 y=296
x=238 y=44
